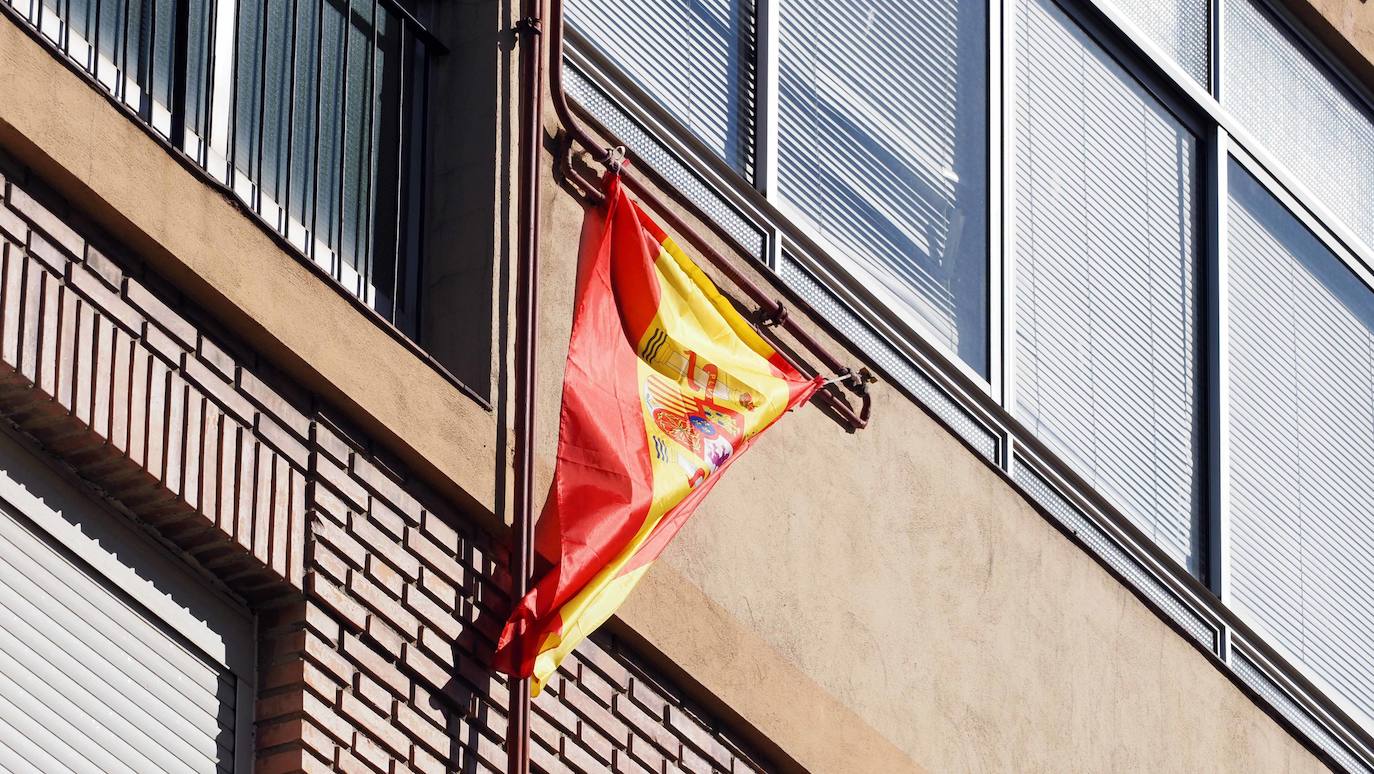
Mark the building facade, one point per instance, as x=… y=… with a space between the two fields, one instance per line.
x=1104 y=506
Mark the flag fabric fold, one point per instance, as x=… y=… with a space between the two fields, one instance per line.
x=666 y=385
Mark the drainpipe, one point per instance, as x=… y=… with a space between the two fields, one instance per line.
x=526 y=317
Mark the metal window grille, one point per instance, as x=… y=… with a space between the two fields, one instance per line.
x=310 y=111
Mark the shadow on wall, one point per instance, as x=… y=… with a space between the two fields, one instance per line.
x=465 y=211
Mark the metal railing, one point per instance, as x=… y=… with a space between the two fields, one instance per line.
x=310 y=112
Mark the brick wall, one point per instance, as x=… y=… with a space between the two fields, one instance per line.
x=378 y=603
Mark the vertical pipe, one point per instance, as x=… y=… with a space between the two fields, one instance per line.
x=522 y=522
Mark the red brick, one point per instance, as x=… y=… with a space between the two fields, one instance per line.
x=327 y=719
x=378 y=602
x=433 y=615
x=372 y=693
x=348 y=763
x=427 y=763
x=32 y=319
x=272 y=402
x=160 y=314
x=324 y=560
x=47 y=337
x=343 y=484
x=295 y=731
x=44 y=219
x=376 y=725
x=371 y=753
x=263 y=515
x=13 y=226
x=173 y=477
x=217 y=389
x=349 y=549
x=278 y=705
x=384 y=634
x=385 y=547
x=162 y=345
x=386 y=519
x=423 y=731
x=427 y=668
x=105 y=389
x=438 y=589
x=336 y=600
x=389 y=490
x=579 y=759
x=604 y=662
x=273 y=433
x=645 y=727
x=441 y=533
x=290 y=761
x=584 y=705
x=699 y=737
x=328 y=504
x=324 y=657
x=52 y=257
x=378 y=666
x=625 y=764
x=382 y=574
x=103 y=267
x=436 y=558
x=110 y=304
x=66 y=349
x=319 y=621
x=281 y=512
x=10 y=295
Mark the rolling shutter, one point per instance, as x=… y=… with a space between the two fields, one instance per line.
x=1106 y=247
x=91 y=679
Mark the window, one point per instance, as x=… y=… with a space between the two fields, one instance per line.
x=1105 y=273
x=310 y=110
x=694 y=58
x=1302 y=435
x=1302 y=113
x=882 y=150
x=1182 y=28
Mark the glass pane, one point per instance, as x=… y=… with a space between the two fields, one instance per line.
x=1106 y=248
x=882 y=149
x=1302 y=113
x=1181 y=27
x=695 y=57
x=1302 y=436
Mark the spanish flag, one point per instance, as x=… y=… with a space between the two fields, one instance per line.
x=666 y=385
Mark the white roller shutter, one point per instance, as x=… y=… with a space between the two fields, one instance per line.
x=113 y=656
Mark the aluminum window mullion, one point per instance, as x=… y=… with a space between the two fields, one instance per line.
x=1216 y=356
x=1001 y=317
x=769 y=28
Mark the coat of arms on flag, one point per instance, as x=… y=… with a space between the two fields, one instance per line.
x=666 y=385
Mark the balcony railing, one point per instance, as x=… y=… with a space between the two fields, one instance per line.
x=310 y=111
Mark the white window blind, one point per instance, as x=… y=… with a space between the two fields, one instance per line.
x=1302 y=439
x=695 y=57
x=1306 y=116
x=1106 y=247
x=1182 y=28
x=882 y=150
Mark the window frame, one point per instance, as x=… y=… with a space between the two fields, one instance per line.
x=987 y=402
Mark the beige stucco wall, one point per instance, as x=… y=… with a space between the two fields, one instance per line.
x=929 y=617
x=871 y=602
